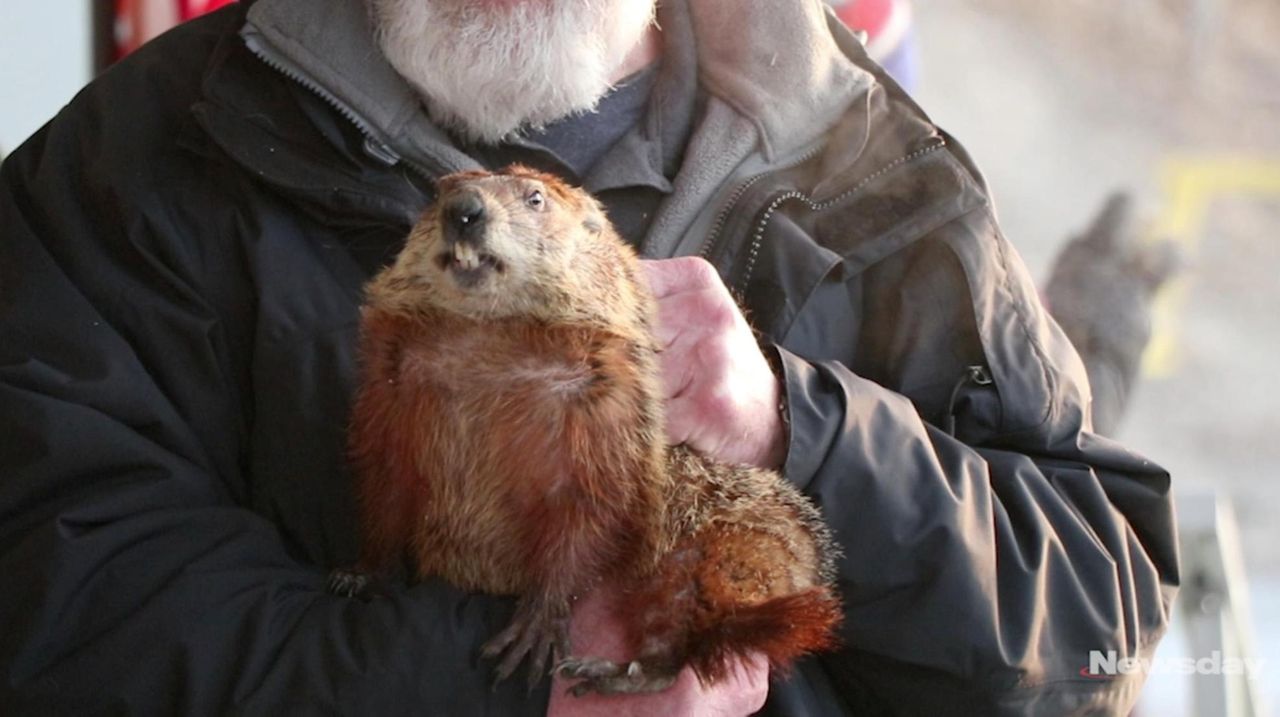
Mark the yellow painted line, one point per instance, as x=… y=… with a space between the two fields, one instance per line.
x=1190 y=186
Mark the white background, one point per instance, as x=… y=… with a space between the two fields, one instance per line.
x=45 y=58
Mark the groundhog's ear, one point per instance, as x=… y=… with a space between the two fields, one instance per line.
x=447 y=185
x=595 y=220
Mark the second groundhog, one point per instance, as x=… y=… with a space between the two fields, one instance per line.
x=508 y=435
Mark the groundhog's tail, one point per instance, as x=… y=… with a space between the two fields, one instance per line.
x=782 y=629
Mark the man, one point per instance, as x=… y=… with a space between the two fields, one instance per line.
x=182 y=254
x=1101 y=289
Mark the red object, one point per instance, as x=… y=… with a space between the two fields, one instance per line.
x=869 y=15
x=137 y=21
x=885 y=21
x=196 y=8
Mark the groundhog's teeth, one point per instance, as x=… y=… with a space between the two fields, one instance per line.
x=466 y=256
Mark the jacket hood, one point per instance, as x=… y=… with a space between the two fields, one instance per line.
x=774 y=62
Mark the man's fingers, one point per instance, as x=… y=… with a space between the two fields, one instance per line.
x=678 y=368
x=680 y=426
x=686 y=273
x=701 y=312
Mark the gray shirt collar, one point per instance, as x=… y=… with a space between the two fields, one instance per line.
x=635 y=157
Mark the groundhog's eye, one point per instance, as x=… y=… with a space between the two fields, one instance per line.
x=534 y=199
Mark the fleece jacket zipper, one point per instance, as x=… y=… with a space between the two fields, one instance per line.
x=373 y=146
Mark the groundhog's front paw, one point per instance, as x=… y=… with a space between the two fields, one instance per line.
x=354 y=583
x=540 y=630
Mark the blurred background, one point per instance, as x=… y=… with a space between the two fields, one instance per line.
x=1061 y=103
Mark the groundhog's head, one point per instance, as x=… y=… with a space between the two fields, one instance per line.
x=512 y=243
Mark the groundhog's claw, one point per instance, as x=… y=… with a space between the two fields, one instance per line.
x=348 y=583
x=538 y=631
x=612 y=678
x=583 y=668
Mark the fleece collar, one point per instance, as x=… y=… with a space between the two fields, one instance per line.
x=774 y=62
x=329 y=46
x=777 y=63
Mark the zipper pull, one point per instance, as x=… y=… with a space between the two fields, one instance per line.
x=979 y=376
x=975 y=375
x=381 y=152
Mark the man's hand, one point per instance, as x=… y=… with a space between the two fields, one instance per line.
x=1101 y=291
x=594 y=632
x=722 y=396
x=722 y=399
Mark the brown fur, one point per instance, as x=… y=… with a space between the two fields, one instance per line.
x=508 y=435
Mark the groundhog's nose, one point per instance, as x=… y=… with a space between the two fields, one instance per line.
x=463 y=216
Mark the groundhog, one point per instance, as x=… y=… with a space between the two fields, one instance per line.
x=507 y=435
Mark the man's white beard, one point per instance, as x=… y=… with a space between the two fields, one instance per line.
x=488 y=69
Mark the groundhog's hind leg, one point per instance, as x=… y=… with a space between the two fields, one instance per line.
x=750 y=573
x=657 y=611
x=754 y=599
x=721 y=595
x=763 y=580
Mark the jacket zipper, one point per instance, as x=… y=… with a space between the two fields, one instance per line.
x=723 y=216
x=973 y=375
x=374 y=147
x=757 y=235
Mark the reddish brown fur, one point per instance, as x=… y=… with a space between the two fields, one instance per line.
x=750 y=574
x=517 y=448
x=540 y=459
